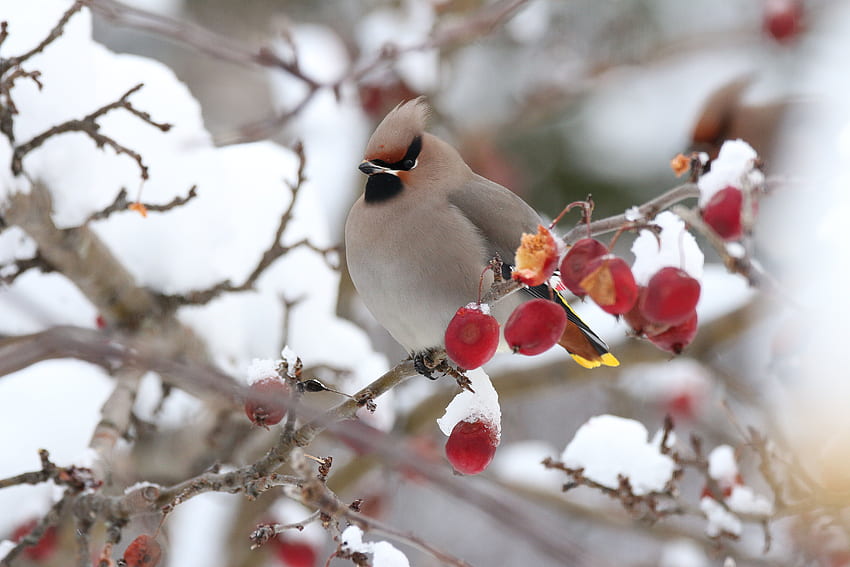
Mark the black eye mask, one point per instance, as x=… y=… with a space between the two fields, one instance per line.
x=406 y=163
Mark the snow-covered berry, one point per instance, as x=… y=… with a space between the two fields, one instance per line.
x=471 y=446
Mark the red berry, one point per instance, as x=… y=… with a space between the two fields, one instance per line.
x=671 y=297
x=783 y=19
x=45 y=546
x=677 y=337
x=683 y=405
x=535 y=326
x=536 y=258
x=574 y=266
x=295 y=553
x=266 y=403
x=471 y=446
x=144 y=551
x=635 y=317
x=471 y=337
x=723 y=213
x=611 y=284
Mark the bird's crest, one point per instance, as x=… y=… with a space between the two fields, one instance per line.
x=397 y=130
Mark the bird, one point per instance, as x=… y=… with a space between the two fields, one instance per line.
x=422 y=233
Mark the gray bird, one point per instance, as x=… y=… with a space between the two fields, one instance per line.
x=422 y=233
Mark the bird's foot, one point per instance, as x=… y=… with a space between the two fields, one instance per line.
x=427 y=361
x=459 y=374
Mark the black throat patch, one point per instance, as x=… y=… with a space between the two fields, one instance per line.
x=382 y=187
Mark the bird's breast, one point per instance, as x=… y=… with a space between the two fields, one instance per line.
x=414 y=266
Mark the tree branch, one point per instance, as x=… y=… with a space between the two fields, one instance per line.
x=89 y=126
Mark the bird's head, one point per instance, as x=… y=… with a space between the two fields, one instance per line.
x=400 y=154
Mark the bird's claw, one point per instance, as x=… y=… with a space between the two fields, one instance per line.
x=426 y=361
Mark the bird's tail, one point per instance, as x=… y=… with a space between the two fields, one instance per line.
x=585 y=346
x=579 y=340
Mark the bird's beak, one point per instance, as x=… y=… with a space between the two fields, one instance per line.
x=370 y=168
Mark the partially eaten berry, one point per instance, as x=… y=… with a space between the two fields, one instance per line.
x=536 y=258
x=611 y=284
x=574 y=266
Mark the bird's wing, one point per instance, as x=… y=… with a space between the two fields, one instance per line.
x=499 y=214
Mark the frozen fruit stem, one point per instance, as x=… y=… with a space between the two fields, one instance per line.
x=536 y=258
x=574 y=266
x=471 y=337
x=671 y=296
x=611 y=285
x=535 y=326
x=471 y=446
x=267 y=401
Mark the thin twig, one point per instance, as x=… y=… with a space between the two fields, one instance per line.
x=197 y=37
x=50 y=38
x=648 y=210
x=275 y=250
x=121 y=203
x=89 y=126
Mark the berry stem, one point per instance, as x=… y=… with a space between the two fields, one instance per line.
x=587 y=210
x=647 y=210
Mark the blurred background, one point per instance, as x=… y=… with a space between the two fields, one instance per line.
x=558 y=100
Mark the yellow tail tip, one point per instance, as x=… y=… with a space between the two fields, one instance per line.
x=606 y=359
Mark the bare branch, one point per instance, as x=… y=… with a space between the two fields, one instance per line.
x=51 y=37
x=51 y=519
x=194 y=36
x=89 y=126
x=80 y=255
x=647 y=210
x=275 y=250
x=118 y=350
x=743 y=265
x=25 y=264
x=121 y=203
x=478 y=24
